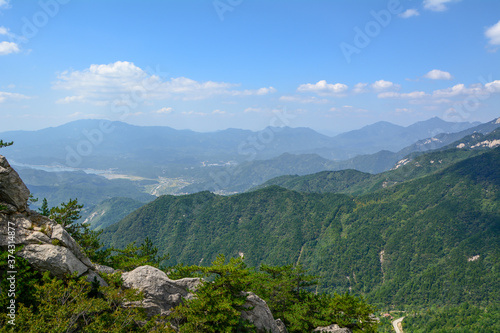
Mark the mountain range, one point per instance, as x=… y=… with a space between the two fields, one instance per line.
x=432 y=239
x=164 y=151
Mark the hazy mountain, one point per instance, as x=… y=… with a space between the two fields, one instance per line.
x=387 y=136
x=412 y=166
x=163 y=151
x=385 y=160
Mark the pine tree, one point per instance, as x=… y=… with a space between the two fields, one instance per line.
x=5 y=144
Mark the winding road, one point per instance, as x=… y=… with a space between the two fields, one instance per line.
x=396 y=323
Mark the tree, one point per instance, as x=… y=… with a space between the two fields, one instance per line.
x=218 y=303
x=66 y=305
x=44 y=210
x=67 y=215
x=5 y=144
x=133 y=256
x=286 y=290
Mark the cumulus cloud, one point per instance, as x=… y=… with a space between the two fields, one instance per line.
x=409 y=13
x=393 y=94
x=304 y=100
x=250 y=109
x=6 y=96
x=458 y=89
x=202 y=114
x=4 y=4
x=164 y=110
x=437 y=5
x=123 y=83
x=8 y=48
x=4 y=31
x=493 y=34
x=384 y=85
x=360 y=88
x=323 y=88
x=403 y=110
x=437 y=74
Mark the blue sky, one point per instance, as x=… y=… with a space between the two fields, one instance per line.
x=214 y=64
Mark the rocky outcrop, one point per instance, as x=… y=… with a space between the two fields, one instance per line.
x=161 y=294
x=13 y=192
x=47 y=246
x=334 y=328
x=259 y=314
x=281 y=326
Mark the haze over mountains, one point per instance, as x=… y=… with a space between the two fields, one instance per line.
x=162 y=160
x=146 y=150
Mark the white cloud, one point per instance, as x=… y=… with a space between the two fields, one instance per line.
x=258 y=92
x=250 y=109
x=305 y=100
x=203 y=114
x=4 y=96
x=218 y=112
x=493 y=86
x=384 y=85
x=458 y=89
x=403 y=110
x=4 y=31
x=493 y=33
x=409 y=13
x=4 y=4
x=359 y=88
x=164 y=110
x=437 y=5
x=123 y=83
x=437 y=74
x=392 y=94
x=323 y=88
x=8 y=48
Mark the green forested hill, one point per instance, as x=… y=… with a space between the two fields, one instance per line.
x=431 y=240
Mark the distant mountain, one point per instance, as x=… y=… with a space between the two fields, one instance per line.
x=163 y=151
x=431 y=240
x=412 y=166
x=385 y=160
x=239 y=178
x=110 y=211
x=387 y=136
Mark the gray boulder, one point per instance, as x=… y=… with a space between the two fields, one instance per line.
x=13 y=191
x=334 y=328
x=58 y=260
x=259 y=314
x=281 y=326
x=161 y=294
